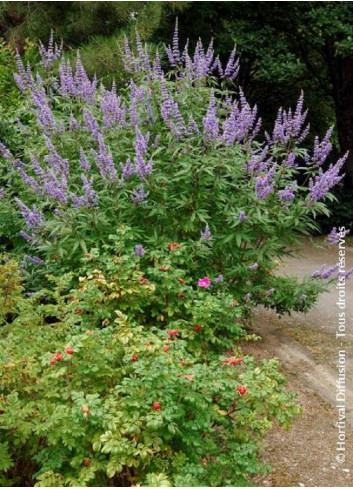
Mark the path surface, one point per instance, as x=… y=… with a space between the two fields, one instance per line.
x=324 y=315
x=308 y=348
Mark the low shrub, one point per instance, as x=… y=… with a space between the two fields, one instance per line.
x=103 y=397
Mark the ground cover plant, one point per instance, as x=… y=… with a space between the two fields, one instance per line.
x=150 y=222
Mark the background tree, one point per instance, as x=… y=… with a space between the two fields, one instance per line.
x=95 y=27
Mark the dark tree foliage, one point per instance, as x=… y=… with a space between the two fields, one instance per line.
x=78 y=22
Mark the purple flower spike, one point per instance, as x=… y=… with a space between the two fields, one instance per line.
x=141 y=167
x=210 y=121
x=322 y=149
x=288 y=192
x=206 y=234
x=34 y=260
x=52 y=53
x=323 y=182
x=5 y=152
x=265 y=184
x=325 y=273
x=289 y=125
x=242 y=216
x=139 y=250
x=139 y=195
x=89 y=199
x=219 y=279
x=192 y=127
x=334 y=237
x=232 y=69
x=104 y=161
x=33 y=218
x=85 y=165
x=347 y=274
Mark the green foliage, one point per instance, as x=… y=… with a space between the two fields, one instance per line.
x=341 y=211
x=12 y=106
x=10 y=287
x=112 y=357
x=80 y=22
x=122 y=409
x=194 y=183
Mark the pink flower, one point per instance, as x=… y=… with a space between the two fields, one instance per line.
x=204 y=282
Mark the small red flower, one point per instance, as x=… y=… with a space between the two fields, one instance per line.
x=197 y=328
x=156 y=406
x=242 y=390
x=183 y=363
x=143 y=280
x=78 y=311
x=85 y=409
x=173 y=246
x=164 y=269
x=181 y=281
x=86 y=462
x=58 y=357
x=173 y=332
x=52 y=361
x=134 y=358
x=69 y=351
x=216 y=398
x=233 y=361
x=166 y=348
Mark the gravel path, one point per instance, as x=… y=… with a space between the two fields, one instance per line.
x=324 y=315
x=308 y=348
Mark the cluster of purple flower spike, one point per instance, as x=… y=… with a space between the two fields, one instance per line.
x=99 y=111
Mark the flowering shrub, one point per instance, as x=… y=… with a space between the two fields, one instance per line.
x=99 y=397
x=175 y=156
x=153 y=220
